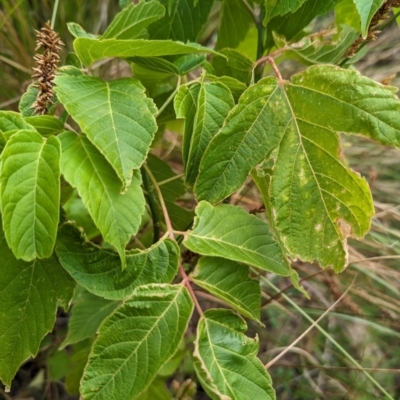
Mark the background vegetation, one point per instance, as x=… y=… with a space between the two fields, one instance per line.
x=366 y=323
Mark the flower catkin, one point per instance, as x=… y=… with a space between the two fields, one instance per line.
x=47 y=61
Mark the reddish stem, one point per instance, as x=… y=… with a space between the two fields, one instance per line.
x=270 y=60
x=185 y=278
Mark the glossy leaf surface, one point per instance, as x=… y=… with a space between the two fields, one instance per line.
x=30 y=193
x=226 y=360
x=117 y=215
x=229 y=281
x=99 y=270
x=116 y=116
x=135 y=341
x=229 y=232
x=29 y=295
x=280 y=7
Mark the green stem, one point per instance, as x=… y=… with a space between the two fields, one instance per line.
x=151 y=200
x=170 y=98
x=327 y=335
x=53 y=17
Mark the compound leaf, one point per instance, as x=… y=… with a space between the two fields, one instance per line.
x=29 y=295
x=117 y=215
x=30 y=193
x=135 y=341
x=229 y=232
x=183 y=20
x=116 y=116
x=91 y=50
x=99 y=270
x=206 y=106
x=226 y=360
x=229 y=281
x=317 y=201
x=131 y=21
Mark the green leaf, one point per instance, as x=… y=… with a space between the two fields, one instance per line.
x=59 y=365
x=156 y=64
x=88 y=312
x=235 y=64
x=317 y=201
x=116 y=214
x=99 y=270
x=171 y=188
x=116 y=116
x=226 y=360
x=78 y=32
x=131 y=21
x=29 y=97
x=321 y=50
x=367 y=9
x=251 y=130
x=156 y=391
x=30 y=193
x=135 y=341
x=236 y=87
x=189 y=62
x=46 y=125
x=91 y=50
x=230 y=281
x=205 y=107
x=229 y=232
x=274 y=8
x=290 y=25
x=236 y=20
x=346 y=14
x=79 y=357
x=77 y=212
x=183 y=20
x=29 y=295
x=10 y=121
